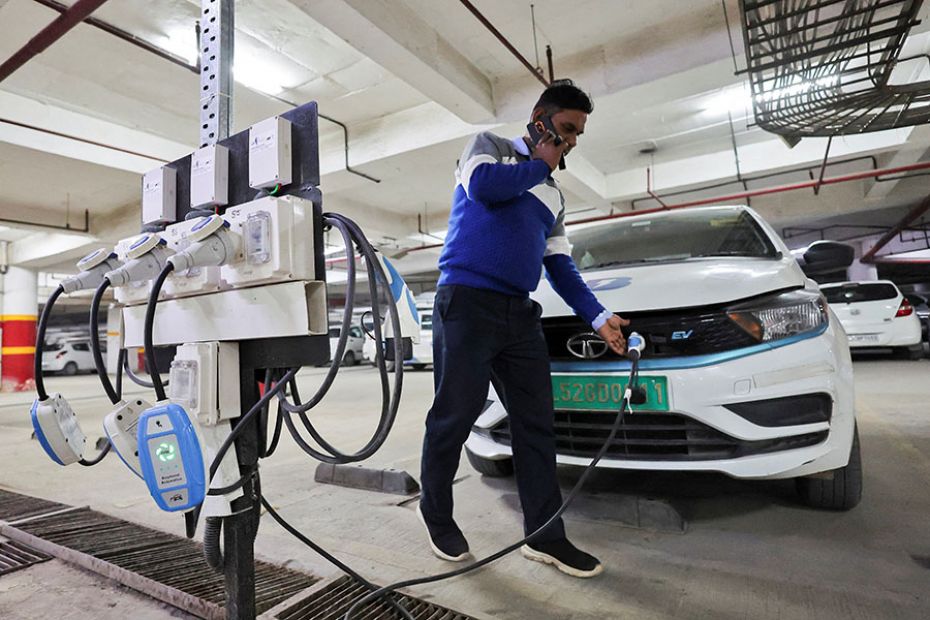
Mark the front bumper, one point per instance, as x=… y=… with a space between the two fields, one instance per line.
x=700 y=389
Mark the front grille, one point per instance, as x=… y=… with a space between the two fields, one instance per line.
x=667 y=334
x=653 y=437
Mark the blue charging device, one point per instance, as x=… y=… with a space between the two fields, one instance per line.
x=170 y=458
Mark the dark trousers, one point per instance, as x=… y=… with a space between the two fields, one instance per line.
x=479 y=335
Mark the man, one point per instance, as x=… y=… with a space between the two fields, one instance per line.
x=507 y=222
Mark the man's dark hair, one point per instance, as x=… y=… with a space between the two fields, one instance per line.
x=564 y=95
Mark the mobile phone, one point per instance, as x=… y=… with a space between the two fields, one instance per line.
x=541 y=127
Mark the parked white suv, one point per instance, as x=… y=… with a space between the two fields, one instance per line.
x=67 y=358
x=876 y=314
x=747 y=371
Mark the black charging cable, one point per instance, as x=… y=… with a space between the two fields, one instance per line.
x=624 y=404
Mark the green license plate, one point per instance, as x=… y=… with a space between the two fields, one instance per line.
x=599 y=393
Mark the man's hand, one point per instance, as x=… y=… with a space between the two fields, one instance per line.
x=547 y=151
x=611 y=334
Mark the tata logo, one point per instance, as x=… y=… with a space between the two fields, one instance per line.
x=586 y=346
x=682 y=335
x=609 y=284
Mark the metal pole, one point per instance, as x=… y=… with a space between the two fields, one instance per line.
x=217 y=29
x=216 y=48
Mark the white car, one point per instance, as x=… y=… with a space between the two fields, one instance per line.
x=747 y=371
x=353 y=351
x=876 y=314
x=67 y=358
x=422 y=351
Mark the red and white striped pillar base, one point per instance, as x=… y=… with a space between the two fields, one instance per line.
x=18 y=316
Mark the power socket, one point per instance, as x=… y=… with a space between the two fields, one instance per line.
x=277 y=241
x=189 y=281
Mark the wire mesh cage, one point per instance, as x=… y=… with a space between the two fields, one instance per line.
x=833 y=67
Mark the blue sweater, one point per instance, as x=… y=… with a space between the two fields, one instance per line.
x=507 y=222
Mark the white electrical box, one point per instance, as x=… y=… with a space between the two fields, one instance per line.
x=270 y=153
x=210 y=176
x=189 y=281
x=277 y=241
x=159 y=196
x=204 y=379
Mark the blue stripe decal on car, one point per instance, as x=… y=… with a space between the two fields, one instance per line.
x=676 y=363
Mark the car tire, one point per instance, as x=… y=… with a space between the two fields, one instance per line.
x=493 y=468
x=419 y=366
x=70 y=369
x=349 y=359
x=843 y=491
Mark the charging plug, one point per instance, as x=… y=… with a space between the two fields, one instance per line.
x=212 y=245
x=93 y=268
x=147 y=257
x=121 y=427
x=57 y=429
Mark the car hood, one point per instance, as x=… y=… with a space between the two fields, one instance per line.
x=683 y=284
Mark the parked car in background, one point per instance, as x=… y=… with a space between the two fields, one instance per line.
x=67 y=358
x=875 y=314
x=922 y=308
x=423 y=350
x=747 y=372
x=353 y=351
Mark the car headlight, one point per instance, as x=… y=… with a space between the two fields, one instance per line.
x=781 y=316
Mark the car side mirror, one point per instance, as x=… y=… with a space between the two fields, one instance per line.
x=825 y=257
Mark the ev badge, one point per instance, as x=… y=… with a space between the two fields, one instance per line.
x=587 y=346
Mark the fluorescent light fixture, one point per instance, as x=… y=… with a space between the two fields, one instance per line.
x=257 y=75
x=182 y=42
x=734 y=99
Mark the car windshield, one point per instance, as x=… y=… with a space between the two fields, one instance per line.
x=855 y=292
x=671 y=237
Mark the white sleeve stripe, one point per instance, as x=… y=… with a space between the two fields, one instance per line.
x=469 y=167
x=558 y=245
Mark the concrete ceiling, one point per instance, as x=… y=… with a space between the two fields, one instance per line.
x=413 y=79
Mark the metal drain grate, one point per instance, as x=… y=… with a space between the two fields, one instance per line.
x=15 y=506
x=14 y=556
x=159 y=558
x=332 y=601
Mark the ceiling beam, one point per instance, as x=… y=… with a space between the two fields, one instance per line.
x=397 y=38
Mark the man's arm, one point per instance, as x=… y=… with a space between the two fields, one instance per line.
x=568 y=283
x=485 y=179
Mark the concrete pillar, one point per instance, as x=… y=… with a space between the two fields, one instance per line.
x=19 y=316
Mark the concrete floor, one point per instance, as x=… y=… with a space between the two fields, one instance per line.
x=750 y=550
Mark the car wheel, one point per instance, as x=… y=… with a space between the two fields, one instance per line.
x=349 y=359
x=841 y=492
x=419 y=366
x=493 y=468
x=70 y=369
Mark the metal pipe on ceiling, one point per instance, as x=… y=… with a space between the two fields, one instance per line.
x=500 y=37
x=913 y=214
x=80 y=139
x=125 y=36
x=48 y=35
x=845 y=178
x=193 y=68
